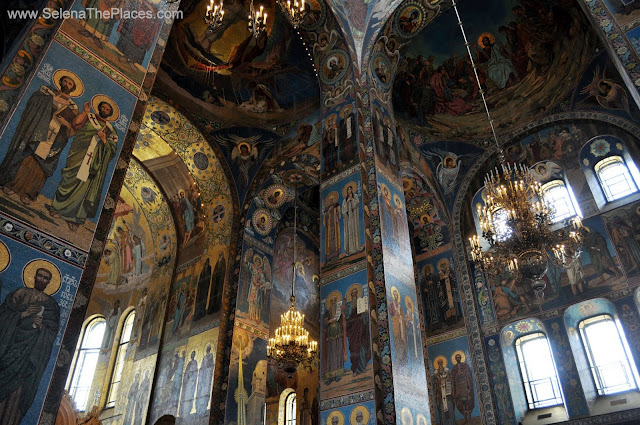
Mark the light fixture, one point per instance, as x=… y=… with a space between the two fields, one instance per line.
x=215 y=14
x=291 y=345
x=294 y=11
x=257 y=20
x=516 y=219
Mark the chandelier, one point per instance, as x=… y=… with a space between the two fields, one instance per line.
x=215 y=14
x=516 y=219
x=294 y=11
x=257 y=20
x=291 y=345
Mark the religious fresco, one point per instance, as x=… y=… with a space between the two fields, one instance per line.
x=360 y=414
x=634 y=38
x=254 y=288
x=430 y=223
x=185 y=380
x=345 y=337
x=339 y=139
x=342 y=218
x=43 y=289
x=229 y=73
x=134 y=391
x=247 y=385
x=435 y=86
x=393 y=220
x=440 y=294
x=451 y=162
x=624 y=11
x=57 y=184
x=623 y=225
x=302 y=139
x=384 y=137
x=452 y=383
x=121 y=39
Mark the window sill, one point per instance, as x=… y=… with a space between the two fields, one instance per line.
x=615 y=402
x=608 y=206
x=546 y=415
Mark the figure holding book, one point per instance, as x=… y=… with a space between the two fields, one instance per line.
x=94 y=145
x=42 y=133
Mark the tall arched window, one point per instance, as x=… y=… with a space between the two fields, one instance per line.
x=116 y=374
x=557 y=196
x=290 y=409
x=610 y=360
x=538 y=371
x=614 y=178
x=86 y=359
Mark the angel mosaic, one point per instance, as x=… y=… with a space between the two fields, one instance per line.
x=259 y=270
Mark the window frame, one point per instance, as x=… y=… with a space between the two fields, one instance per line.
x=290 y=408
x=608 y=162
x=118 y=364
x=80 y=357
x=529 y=393
x=632 y=372
x=570 y=199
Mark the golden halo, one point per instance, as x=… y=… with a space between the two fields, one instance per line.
x=358 y=287
x=99 y=98
x=29 y=275
x=256 y=256
x=455 y=353
x=421 y=420
x=407 y=184
x=5 y=257
x=397 y=201
x=437 y=359
x=244 y=144
x=394 y=291
x=482 y=36
x=405 y=413
x=365 y=414
x=331 y=198
x=331 y=118
x=346 y=110
x=382 y=191
x=443 y=264
x=354 y=188
x=408 y=303
x=428 y=217
x=66 y=73
x=336 y=294
x=181 y=192
x=338 y=414
x=427 y=267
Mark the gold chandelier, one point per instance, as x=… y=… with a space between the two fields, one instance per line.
x=291 y=345
x=294 y=11
x=516 y=219
x=257 y=20
x=215 y=14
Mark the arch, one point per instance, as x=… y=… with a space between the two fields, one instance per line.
x=282 y=405
x=118 y=355
x=166 y=420
x=557 y=191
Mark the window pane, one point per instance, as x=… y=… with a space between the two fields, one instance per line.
x=615 y=178
x=86 y=360
x=501 y=225
x=557 y=197
x=608 y=358
x=118 y=367
x=538 y=371
x=290 y=409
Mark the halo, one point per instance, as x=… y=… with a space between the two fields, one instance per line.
x=99 y=98
x=406 y=413
x=363 y=410
x=397 y=201
x=280 y=199
x=259 y=213
x=66 y=73
x=358 y=287
x=428 y=218
x=5 y=257
x=181 y=192
x=394 y=290
x=425 y=267
x=483 y=35
x=346 y=109
x=382 y=190
x=408 y=303
x=442 y=264
x=332 y=117
x=437 y=359
x=407 y=184
x=29 y=275
x=331 y=198
x=421 y=420
x=455 y=353
x=354 y=188
x=258 y=257
x=332 y=294
x=338 y=414
x=444 y=161
x=244 y=144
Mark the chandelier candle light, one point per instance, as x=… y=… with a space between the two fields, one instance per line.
x=291 y=345
x=294 y=11
x=516 y=219
x=257 y=20
x=215 y=14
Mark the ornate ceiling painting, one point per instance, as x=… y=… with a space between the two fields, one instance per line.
x=168 y=141
x=435 y=91
x=228 y=74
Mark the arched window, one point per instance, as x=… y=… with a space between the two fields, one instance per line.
x=610 y=360
x=538 y=371
x=614 y=178
x=290 y=409
x=560 y=200
x=86 y=359
x=501 y=225
x=116 y=374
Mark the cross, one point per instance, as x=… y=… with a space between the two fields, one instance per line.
x=52 y=131
x=89 y=157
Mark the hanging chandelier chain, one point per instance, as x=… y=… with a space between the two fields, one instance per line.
x=295 y=245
